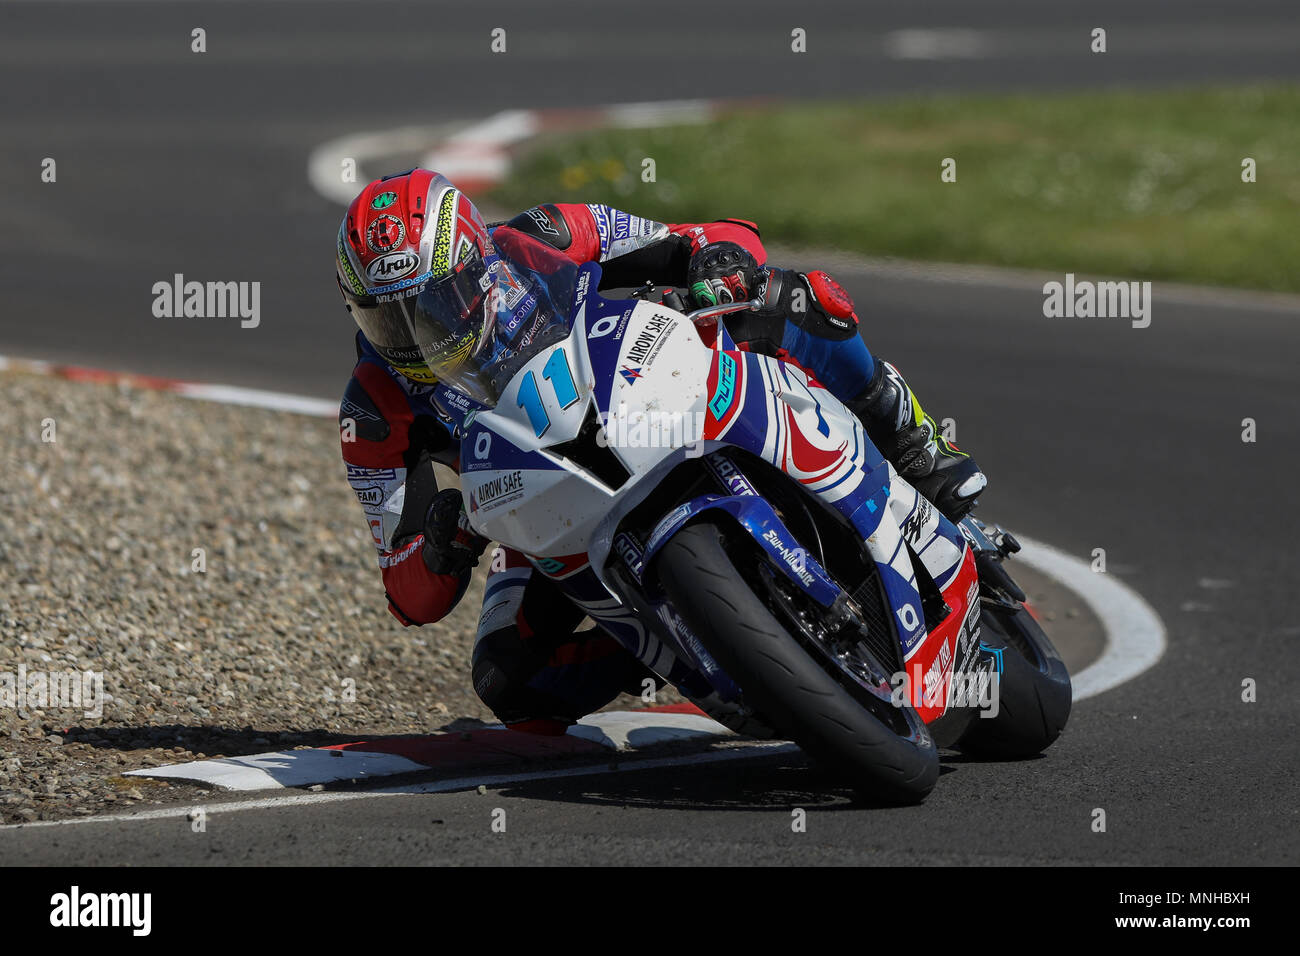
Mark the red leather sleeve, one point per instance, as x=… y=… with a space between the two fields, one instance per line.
x=585 y=245
x=415 y=594
x=740 y=231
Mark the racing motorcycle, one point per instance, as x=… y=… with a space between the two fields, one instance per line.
x=727 y=519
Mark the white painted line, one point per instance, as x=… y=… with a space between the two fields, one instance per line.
x=663 y=113
x=624 y=729
x=1135 y=635
x=259 y=398
x=288 y=768
x=331 y=161
x=223 y=394
x=744 y=752
x=617 y=730
x=941 y=44
x=478 y=153
x=33 y=366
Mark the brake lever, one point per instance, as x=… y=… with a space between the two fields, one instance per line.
x=711 y=312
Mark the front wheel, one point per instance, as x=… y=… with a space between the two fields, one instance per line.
x=836 y=712
x=1034 y=692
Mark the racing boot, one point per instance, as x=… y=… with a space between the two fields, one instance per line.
x=912 y=443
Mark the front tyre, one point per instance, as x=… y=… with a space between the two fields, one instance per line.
x=798 y=690
x=1034 y=692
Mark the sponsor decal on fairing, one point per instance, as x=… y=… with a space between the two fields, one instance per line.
x=725 y=470
x=649 y=339
x=498 y=491
x=626 y=547
x=725 y=393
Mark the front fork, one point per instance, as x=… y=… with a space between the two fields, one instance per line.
x=992 y=545
x=1000 y=595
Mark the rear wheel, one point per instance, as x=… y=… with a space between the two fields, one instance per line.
x=833 y=700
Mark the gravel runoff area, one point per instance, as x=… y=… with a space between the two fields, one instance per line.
x=283 y=640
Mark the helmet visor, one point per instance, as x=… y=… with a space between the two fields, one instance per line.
x=426 y=336
x=472 y=329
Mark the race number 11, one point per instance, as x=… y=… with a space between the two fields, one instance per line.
x=556 y=371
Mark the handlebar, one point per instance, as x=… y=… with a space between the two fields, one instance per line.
x=674 y=300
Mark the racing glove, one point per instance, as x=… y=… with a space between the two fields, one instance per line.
x=722 y=272
x=450 y=545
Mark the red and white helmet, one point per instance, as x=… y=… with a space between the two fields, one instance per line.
x=413 y=263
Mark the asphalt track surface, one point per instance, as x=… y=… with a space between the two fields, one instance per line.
x=1095 y=434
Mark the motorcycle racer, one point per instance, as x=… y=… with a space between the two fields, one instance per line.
x=425 y=281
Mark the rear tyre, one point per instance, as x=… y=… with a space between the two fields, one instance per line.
x=1034 y=692
x=800 y=691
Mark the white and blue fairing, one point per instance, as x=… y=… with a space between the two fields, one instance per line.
x=551 y=471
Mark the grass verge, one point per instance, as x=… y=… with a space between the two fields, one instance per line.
x=1134 y=184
